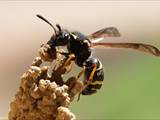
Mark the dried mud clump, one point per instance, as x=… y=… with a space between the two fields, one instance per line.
x=44 y=96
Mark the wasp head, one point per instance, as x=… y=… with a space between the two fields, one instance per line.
x=60 y=36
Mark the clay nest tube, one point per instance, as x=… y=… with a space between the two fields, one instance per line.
x=43 y=96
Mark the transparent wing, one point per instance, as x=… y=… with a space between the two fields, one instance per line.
x=136 y=46
x=105 y=32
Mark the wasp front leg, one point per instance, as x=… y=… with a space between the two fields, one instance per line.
x=47 y=53
x=67 y=62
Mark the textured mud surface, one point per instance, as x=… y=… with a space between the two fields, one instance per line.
x=44 y=96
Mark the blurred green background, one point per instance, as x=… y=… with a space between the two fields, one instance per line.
x=131 y=88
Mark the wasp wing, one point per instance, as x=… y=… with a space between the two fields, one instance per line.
x=105 y=32
x=136 y=46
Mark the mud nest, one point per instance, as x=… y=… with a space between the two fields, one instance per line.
x=43 y=93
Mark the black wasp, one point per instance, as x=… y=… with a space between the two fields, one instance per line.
x=80 y=51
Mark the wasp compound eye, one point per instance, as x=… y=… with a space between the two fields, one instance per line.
x=62 y=38
x=65 y=35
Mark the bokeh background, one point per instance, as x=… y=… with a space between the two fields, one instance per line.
x=131 y=89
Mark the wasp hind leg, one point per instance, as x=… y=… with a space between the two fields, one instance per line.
x=78 y=78
x=91 y=75
x=85 y=91
x=81 y=73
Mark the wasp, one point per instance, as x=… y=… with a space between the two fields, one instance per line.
x=80 y=49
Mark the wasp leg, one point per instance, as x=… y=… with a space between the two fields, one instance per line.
x=81 y=73
x=78 y=77
x=71 y=56
x=91 y=75
x=68 y=55
x=67 y=65
x=79 y=96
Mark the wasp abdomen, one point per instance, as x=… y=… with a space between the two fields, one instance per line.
x=92 y=88
x=96 y=83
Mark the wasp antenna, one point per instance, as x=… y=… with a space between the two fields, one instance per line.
x=59 y=27
x=44 y=19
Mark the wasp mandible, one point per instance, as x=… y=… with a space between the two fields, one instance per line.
x=80 y=47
